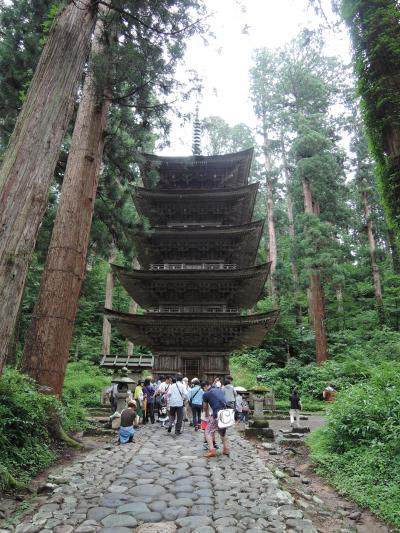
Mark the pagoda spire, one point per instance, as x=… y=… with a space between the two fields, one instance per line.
x=196 y=147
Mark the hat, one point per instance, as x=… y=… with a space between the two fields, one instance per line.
x=185 y=379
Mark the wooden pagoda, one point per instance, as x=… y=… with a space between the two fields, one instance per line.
x=197 y=271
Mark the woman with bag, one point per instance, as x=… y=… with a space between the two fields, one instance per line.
x=196 y=402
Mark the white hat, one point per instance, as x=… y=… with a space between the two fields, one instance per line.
x=185 y=379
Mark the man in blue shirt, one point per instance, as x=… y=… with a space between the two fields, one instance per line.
x=213 y=402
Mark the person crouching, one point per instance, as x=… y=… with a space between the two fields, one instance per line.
x=126 y=431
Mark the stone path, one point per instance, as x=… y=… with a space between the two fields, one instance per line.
x=162 y=483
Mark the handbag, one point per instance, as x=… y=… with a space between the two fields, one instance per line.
x=226 y=418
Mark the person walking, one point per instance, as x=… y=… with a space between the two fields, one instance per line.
x=196 y=402
x=230 y=393
x=176 y=398
x=214 y=399
x=148 y=396
x=138 y=398
x=295 y=408
x=186 y=410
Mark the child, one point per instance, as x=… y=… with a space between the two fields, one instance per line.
x=163 y=416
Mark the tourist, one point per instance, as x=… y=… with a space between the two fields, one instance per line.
x=196 y=402
x=214 y=398
x=217 y=383
x=295 y=408
x=162 y=395
x=148 y=400
x=128 y=416
x=112 y=396
x=186 y=410
x=238 y=409
x=157 y=395
x=176 y=398
x=244 y=418
x=329 y=393
x=138 y=398
x=230 y=393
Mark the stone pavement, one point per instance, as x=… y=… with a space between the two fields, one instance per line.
x=163 y=483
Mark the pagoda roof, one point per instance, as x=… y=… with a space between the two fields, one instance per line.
x=131 y=362
x=232 y=288
x=203 y=333
x=223 y=206
x=228 y=170
x=236 y=245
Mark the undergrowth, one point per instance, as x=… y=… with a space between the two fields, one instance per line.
x=358 y=450
x=27 y=443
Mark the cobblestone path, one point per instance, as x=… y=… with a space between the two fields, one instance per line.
x=162 y=483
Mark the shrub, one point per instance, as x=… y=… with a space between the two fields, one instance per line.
x=24 y=436
x=358 y=449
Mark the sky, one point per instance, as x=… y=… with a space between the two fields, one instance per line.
x=224 y=63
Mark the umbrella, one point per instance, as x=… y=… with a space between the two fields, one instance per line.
x=240 y=389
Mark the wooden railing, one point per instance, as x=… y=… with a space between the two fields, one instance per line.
x=193 y=309
x=194 y=266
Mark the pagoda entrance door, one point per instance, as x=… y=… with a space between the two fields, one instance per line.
x=191 y=368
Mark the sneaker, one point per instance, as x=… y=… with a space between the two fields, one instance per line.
x=211 y=453
x=196 y=428
x=216 y=446
x=169 y=429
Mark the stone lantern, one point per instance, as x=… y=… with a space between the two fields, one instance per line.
x=124 y=384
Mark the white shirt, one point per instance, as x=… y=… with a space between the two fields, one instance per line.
x=177 y=394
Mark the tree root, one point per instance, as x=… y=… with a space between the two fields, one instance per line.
x=7 y=481
x=58 y=432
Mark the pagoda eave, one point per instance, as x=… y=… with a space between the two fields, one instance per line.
x=236 y=245
x=219 y=333
x=233 y=288
x=228 y=170
x=179 y=206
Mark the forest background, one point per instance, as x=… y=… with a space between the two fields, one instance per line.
x=333 y=250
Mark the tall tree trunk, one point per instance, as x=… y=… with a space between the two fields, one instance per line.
x=317 y=298
x=108 y=304
x=394 y=250
x=49 y=336
x=132 y=309
x=293 y=261
x=374 y=265
x=340 y=308
x=31 y=156
x=272 y=252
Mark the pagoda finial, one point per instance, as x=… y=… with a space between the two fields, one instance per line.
x=196 y=149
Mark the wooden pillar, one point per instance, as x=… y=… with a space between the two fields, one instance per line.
x=108 y=304
x=132 y=310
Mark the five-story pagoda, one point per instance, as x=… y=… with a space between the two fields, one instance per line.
x=197 y=264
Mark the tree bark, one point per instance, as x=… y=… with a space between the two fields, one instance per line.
x=293 y=262
x=394 y=251
x=340 y=308
x=49 y=336
x=272 y=252
x=108 y=304
x=31 y=156
x=317 y=299
x=374 y=265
